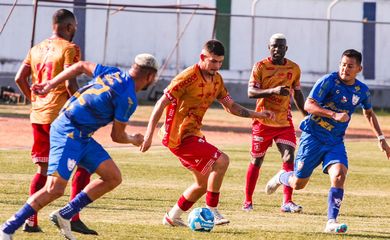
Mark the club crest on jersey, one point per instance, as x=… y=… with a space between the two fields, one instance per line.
x=337 y=91
x=201 y=140
x=355 y=99
x=71 y=164
x=344 y=99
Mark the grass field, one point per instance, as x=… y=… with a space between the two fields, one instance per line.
x=152 y=182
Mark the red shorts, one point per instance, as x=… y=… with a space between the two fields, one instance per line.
x=195 y=153
x=41 y=146
x=262 y=137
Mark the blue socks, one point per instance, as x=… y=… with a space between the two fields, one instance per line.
x=79 y=202
x=284 y=178
x=335 y=198
x=12 y=224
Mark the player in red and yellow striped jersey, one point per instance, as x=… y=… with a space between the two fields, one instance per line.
x=186 y=100
x=272 y=82
x=43 y=62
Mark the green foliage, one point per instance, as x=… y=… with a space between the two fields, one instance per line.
x=152 y=183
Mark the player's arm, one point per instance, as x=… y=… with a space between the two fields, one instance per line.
x=299 y=101
x=71 y=86
x=312 y=107
x=254 y=92
x=236 y=109
x=21 y=80
x=69 y=73
x=153 y=120
x=373 y=121
x=119 y=135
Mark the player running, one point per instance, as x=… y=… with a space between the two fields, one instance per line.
x=43 y=62
x=109 y=97
x=331 y=103
x=186 y=100
x=273 y=81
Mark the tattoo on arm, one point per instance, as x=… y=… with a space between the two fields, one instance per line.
x=244 y=112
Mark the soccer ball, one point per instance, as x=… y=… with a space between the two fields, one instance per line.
x=201 y=219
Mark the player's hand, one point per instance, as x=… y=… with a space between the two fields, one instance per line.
x=341 y=117
x=384 y=147
x=282 y=90
x=267 y=114
x=146 y=144
x=41 y=88
x=137 y=139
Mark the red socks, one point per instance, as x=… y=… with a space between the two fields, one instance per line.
x=36 y=184
x=252 y=175
x=212 y=199
x=184 y=204
x=80 y=179
x=287 y=191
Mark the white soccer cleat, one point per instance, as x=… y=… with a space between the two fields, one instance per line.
x=5 y=236
x=332 y=226
x=219 y=219
x=273 y=183
x=291 y=207
x=173 y=222
x=62 y=224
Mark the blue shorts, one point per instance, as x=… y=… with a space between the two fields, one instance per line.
x=312 y=152
x=68 y=148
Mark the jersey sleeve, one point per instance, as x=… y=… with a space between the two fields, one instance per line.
x=71 y=55
x=296 y=84
x=255 y=78
x=223 y=95
x=366 y=103
x=27 y=60
x=320 y=89
x=124 y=108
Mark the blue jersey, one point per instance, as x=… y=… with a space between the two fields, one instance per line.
x=109 y=95
x=331 y=93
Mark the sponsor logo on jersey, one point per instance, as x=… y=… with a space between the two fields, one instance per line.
x=71 y=164
x=344 y=99
x=355 y=99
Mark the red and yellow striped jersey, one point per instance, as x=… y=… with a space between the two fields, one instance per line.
x=266 y=75
x=46 y=60
x=190 y=95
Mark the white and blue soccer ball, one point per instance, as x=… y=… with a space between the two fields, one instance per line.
x=201 y=219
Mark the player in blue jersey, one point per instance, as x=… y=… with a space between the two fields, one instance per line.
x=109 y=97
x=331 y=103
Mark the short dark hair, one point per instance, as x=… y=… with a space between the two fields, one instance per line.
x=352 y=53
x=62 y=15
x=214 y=46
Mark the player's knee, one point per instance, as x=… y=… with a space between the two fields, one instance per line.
x=115 y=180
x=55 y=191
x=223 y=162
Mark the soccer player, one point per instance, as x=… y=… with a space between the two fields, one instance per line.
x=330 y=104
x=186 y=100
x=272 y=82
x=109 y=97
x=43 y=62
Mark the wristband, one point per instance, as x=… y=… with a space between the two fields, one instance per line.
x=381 y=137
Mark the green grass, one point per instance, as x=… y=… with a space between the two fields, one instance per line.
x=152 y=182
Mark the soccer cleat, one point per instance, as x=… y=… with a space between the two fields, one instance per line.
x=273 y=183
x=31 y=229
x=173 y=222
x=219 y=219
x=291 y=207
x=332 y=226
x=62 y=224
x=247 y=207
x=80 y=227
x=5 y=236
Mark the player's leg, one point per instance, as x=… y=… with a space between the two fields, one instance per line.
x=81 y=178
x=261 y=140
x=54 y=188
x=40 y=156
x=336 y=165
x=287 y=154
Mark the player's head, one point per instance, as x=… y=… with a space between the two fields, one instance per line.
x=277 y=47
x=350 y=65
x=211 y=57
x=144 y=70
x=64 y=24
